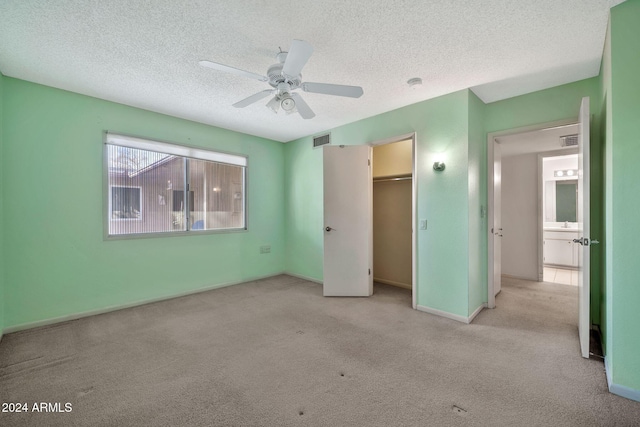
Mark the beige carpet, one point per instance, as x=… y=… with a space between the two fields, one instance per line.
x=276 y=353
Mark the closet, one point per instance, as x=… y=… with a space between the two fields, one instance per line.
x=392 y=216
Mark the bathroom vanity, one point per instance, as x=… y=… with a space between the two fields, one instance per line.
x=559 y=248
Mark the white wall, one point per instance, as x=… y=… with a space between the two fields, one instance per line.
x=520 y=216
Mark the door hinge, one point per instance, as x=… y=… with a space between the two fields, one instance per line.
x=368 y=162
x=369 y=272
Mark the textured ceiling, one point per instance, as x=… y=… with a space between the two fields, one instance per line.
x=146 y=53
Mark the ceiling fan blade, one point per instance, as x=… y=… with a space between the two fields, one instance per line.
x=253 y=98
x=304 y=109
x=330 y=89
x=298 y=55
x=232 y=70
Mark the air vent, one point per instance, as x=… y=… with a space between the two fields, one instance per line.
x=321 y=140
x=569 y=140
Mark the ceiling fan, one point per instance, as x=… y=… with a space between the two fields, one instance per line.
x=284 y=77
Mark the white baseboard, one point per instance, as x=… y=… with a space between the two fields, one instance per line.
x=74 y=316
x=393 y=283
x=451 y=316
x=475 y=313
x=618 y=389
x=300 y=276
x=442 y=313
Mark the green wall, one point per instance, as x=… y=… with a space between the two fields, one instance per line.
x=550 y=105
x=57 y=262
x=553 y=104
x=443 y=250
x=2 y=295
x=477 y=204
x=303 y=209
x=623 y=227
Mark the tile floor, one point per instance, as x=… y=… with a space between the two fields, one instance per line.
x=561 y=275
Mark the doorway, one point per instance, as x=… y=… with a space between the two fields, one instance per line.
x=392 y=175
x=348 y=218
x=515 y=190
x=497 y=230
x=525 y=203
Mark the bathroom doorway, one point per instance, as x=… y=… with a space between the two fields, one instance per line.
x=497 y=142
x=520 y=195
x=559 y=183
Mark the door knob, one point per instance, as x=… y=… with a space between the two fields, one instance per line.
x=328 y=228
x=585 y=241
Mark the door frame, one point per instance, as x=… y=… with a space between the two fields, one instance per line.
x=414 y=196
x=491 y=140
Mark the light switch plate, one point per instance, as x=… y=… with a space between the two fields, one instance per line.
x=423 y=224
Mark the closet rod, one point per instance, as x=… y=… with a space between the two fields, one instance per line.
x=401 y=178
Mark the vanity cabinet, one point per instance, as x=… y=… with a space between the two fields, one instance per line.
x=559 y=248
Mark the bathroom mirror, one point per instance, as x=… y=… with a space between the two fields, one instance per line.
x=561 y=201
x=566 y=201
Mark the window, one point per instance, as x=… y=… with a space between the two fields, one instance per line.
x=158 y=188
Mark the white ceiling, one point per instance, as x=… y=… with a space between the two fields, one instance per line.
x=539 y=141
x=146 y=53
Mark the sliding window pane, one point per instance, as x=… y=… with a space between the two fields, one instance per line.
x=218 y=195
x=144 y=189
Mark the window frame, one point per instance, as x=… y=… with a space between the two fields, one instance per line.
x=106 y=189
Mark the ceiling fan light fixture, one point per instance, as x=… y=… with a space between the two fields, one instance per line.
x=288 y=104
x=274 y=104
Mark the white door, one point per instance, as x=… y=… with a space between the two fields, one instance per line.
x=583 y=224
x=497 y=218
x=348 y=230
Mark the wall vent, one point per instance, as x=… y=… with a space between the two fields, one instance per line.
x=569 y=140
x=321 y=140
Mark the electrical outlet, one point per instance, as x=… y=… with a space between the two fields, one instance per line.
x=266 y=249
